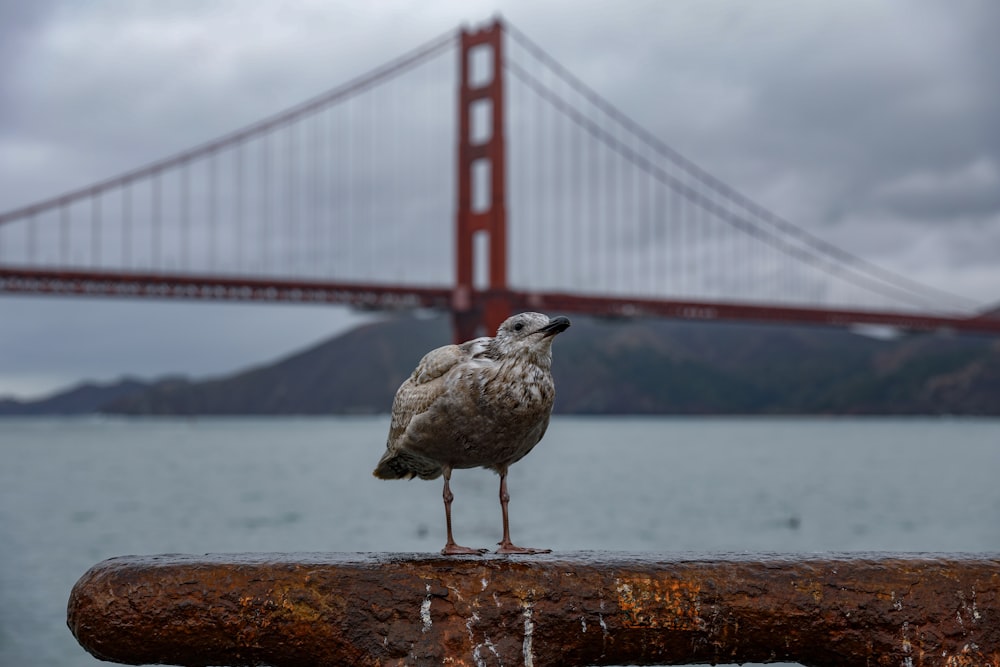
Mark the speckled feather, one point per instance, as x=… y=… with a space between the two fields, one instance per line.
x=484 y=403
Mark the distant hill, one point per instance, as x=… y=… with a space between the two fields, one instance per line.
x=357 y=372
x=611 y=367
x=85 y=398
x=991 y=313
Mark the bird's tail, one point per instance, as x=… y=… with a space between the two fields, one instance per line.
x=392 y=467
x=398 y=465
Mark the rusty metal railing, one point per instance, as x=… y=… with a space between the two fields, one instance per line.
x=583 y=608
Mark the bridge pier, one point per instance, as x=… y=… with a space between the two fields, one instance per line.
x=292 y=610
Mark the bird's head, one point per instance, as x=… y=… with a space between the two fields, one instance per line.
x=528 y=333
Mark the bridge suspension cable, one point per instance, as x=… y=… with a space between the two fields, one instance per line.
x=350 y=185
x=753 y=220
x=357 y=85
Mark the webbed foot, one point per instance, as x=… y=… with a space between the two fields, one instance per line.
x=453 y=549
x=508 y=547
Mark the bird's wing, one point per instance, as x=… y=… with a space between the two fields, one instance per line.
x=424 y=386
x=437 y=362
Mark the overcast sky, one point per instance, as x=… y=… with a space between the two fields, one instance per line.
x=872 y=124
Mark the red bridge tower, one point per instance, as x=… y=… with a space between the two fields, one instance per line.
x=481 y=217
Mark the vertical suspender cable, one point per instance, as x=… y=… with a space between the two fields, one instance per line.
x=213 y=213
x=185 y=215
x=350 y=221
x=594 y=162
x=574 y=194
x=239 y=226
x=310 y=204
x=95 y=230
x=371 y=225
x=126 y=194
x=156 y=203
x=64 y=233
x=265 y=205
x=332 y=199
x=287 y=260
x=31 y=239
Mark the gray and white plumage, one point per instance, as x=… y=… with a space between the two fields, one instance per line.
x=484 y=403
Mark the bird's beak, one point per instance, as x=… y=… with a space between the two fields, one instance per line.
x=555 y=325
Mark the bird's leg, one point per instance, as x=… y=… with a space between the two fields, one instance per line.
x=506 y=546
x=450 y=548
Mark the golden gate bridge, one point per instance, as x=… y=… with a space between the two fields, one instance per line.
x=518 y=188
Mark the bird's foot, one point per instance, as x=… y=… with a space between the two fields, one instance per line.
x=452 y=549
x=510 y=548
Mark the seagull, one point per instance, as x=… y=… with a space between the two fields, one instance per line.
x=484 y=403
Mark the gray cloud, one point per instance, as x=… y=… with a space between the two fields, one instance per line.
x=971 y=192
x=872 y=124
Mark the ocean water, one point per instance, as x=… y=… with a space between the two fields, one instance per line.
x=76 y=491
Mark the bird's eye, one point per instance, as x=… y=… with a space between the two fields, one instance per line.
x=518 y=326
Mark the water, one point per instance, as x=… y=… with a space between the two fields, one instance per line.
x=76 y=491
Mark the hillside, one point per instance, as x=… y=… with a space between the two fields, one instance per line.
x=357 y=372
x=85 y=398
x=606 y=367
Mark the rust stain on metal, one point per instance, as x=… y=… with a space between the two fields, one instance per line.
x=652 y=603
x=813 y=589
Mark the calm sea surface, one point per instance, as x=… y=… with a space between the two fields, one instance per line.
x=76 y=491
